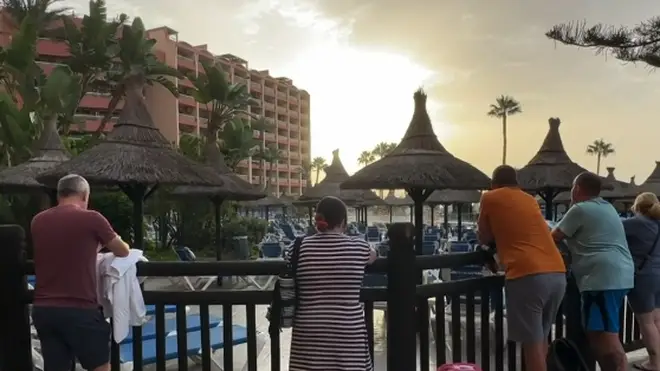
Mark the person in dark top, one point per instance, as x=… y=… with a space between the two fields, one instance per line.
x=66 y=315
x=642 y=232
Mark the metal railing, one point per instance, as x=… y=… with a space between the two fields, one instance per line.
x=462 y=320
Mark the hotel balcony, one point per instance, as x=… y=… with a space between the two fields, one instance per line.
x=186 y=83
x=270 y=137
x=187 y=100
x=186 y=63
x=293 y=100
x=269 y=91
x=52 y=48
x=91 y=123
x=281 y=95
x=281 y=124
x=240 y=80
x=294 y=155
x=268 y=106
x=294 y=141
x=97 y=101
x=282 y=110
x=305 y=103
x=293 y=114
x=255 y=86
x=188 y=120
x=48 y=67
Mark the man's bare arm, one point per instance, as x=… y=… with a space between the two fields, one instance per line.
x=118 y=247
x=558 y=235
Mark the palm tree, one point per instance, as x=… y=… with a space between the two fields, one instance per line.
x=138 y=66
x=382 y=149
x=20 y=75
x=600 y=149
x=236 y=141
x=223 y=101
x=41 y=11
x=366 y=157
x=306 y=172
x=504 y=107
x=318 y=164
x=270 y=155
x=192 y=146
x=92 y=46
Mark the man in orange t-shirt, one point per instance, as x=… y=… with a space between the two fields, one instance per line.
x=535 y=270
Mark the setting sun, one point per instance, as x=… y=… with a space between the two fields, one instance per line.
x=366 y=98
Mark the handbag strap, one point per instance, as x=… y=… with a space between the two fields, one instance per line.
x=295 y=254
x=655 y=243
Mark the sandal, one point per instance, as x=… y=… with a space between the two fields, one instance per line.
x=642 y=366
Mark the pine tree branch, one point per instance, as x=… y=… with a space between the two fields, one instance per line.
x=637 y=44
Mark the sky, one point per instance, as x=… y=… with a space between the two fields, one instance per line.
x=361 y=61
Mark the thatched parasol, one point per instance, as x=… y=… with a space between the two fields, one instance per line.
x=550 y=167
x=270 y=201
x=134 y=152
x=392 y=200
x=652 y=183
x=49 y=152
x=234 y=187
x=419 y=164
x=620 y=190
x=550 y=171
x=452 y=196
x=136 y=157
x=335 y=174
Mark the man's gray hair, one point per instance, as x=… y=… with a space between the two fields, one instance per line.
x=72 y=185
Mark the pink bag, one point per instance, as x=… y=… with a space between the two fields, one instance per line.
x=459 y=367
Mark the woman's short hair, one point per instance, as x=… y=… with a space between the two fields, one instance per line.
x=330 y=213
x=648 y=205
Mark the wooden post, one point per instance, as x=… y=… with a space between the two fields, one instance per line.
x=15 y=344
x=401 y=299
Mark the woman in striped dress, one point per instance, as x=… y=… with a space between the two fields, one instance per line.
x=329 y=331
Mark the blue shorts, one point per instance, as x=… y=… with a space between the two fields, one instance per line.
x=601 y=309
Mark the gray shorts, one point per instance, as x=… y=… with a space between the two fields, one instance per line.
x=532 y=303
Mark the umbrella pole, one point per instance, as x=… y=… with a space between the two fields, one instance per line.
x=459 y=220
x=365 y=210
x=138 y=193
x=445 y=211
x=391 y=210
x=217 y=204
x=432 y=207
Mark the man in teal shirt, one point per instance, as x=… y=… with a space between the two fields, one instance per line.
x=602 y=266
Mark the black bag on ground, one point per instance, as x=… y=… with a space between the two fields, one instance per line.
x=282 y=310
x=563 y=355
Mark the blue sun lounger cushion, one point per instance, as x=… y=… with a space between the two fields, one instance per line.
x=194 y=345
x=193 y=323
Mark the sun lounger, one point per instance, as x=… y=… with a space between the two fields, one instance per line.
x=193 y=323
x=194 y=342
x=151 y=309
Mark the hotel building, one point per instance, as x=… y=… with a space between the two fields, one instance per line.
x=279 y=101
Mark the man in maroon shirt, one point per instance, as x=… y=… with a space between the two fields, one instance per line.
x=66 y=240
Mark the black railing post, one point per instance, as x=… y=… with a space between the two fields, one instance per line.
x=574 y=327
x=15 y=345
x=401 y=286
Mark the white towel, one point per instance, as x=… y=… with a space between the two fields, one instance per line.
x=119 y=292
